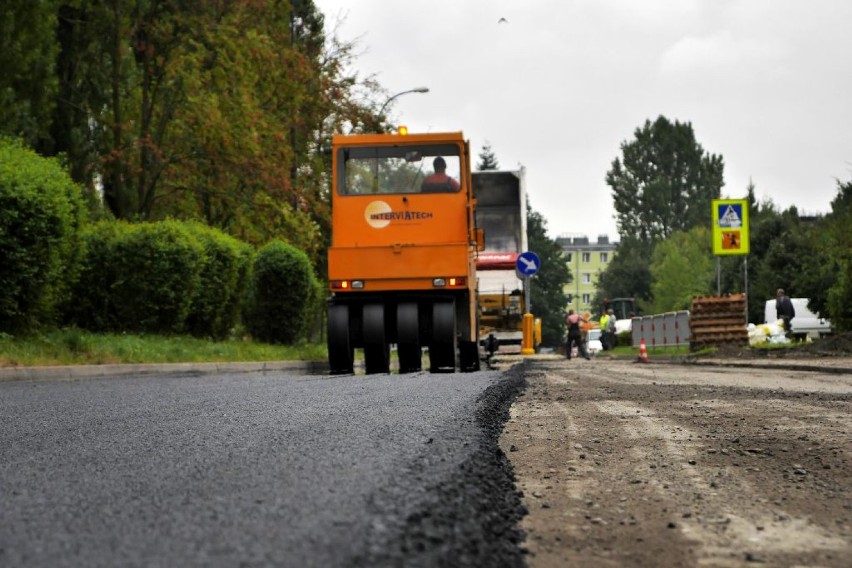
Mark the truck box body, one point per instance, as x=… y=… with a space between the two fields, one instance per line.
x=501 y=212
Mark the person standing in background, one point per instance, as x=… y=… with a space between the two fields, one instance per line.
x=610 y=329
x=604 y=338
x=784 y=310
x=575 y=335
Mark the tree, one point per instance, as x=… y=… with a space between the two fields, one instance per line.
x=682 y=266
x=215 y=111
x=628 y=275
x=28 y=82
x=766 y=225
x=77 y=129
x=236 y=162
x=487 y=159
x=546 y=292
x=839 y=301
x=665 y=182
x=780 y=255
x=808 y=257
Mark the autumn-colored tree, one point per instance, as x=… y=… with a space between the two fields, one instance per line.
x=216 y=111
x=265 y=92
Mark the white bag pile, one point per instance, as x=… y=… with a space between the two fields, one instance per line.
x=767 y=333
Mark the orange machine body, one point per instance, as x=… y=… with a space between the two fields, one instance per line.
x=399 y=234
x=401 y=240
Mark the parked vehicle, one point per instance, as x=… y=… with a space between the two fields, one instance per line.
x=593 y=341
x=805 y=323
x=625 y=310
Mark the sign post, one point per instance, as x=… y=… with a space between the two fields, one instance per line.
x=730 y=235
x=526 y=266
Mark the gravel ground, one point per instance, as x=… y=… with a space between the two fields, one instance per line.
x=625 y=464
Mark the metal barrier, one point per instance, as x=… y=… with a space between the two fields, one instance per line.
x=662 y=330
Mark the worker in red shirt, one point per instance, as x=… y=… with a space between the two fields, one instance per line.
x=439 y=181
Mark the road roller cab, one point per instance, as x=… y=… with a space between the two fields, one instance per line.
x=401 y=264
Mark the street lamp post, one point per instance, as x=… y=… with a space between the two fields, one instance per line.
x=387 y=102
x=379 y=115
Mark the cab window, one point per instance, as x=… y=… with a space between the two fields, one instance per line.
x=398 y=169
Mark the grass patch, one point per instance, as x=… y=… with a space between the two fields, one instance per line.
x=629 y=352
x=78 y=347
x=766 y=346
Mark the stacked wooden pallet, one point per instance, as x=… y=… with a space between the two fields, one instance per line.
x=718 y=321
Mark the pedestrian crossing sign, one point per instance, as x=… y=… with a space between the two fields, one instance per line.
x=730 y=226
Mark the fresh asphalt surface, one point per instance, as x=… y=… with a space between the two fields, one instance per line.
x=258 y=469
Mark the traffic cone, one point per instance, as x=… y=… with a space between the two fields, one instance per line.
x=643 y=352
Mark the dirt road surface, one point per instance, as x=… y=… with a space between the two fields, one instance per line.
x=624 y=464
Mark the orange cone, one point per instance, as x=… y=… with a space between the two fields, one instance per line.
x=643 y=352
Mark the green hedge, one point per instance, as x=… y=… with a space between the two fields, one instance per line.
x=91 y=305
x=214 y=311
x=41 y=212
x=163 y=277
x=283 y=295
x=157 y=272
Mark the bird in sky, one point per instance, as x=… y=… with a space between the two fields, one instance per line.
x=502 y=21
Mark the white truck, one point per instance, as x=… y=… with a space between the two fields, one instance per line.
x=501 y=211
x=805 y=323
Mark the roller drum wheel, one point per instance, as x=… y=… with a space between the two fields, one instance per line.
x=376 y=347
x=469 y=356
x=442 y=350
x=408 y=340
x=340 y=351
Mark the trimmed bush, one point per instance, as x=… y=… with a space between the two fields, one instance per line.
x=215 y=308
x=41 y=212
x=157 y=275
x=92 y=304
x=624 y=339
x=282 y=295
x=164 y=277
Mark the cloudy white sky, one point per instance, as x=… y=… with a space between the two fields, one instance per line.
x=558 y=87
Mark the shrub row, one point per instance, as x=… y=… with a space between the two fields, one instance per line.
x=163 y=277
x=41 y=212
x=173 y=277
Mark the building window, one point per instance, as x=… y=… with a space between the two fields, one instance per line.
x=587 y=257
x=604 y=257
x=587 y=278
x=587 y=298
x=568 y=257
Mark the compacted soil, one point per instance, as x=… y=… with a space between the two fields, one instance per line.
x=625 y=464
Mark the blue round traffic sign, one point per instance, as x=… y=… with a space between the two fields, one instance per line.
x=528 y=263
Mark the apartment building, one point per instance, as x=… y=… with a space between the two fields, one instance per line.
x=585 y=260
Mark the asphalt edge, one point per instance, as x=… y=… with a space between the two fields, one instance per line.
x=82 y=372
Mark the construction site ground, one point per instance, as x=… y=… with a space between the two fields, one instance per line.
x=739 y=458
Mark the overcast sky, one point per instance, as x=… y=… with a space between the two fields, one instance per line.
x=562 y=83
